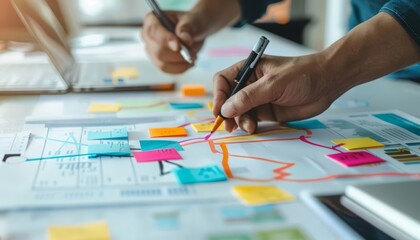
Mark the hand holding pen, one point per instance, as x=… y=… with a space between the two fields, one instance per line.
x=244 y=73
x=172 y=39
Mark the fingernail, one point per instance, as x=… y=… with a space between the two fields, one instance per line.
x=186 y=37
x=227 y=109
x=173 y=45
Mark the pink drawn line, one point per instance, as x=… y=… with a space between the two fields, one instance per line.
x=190 y=139
x=334 y=148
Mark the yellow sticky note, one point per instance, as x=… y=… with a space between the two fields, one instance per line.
x=206 y=127
x=104 y=108
x=258 y=195
x=193 y=90
x=126 y=73
x=210 y=105
x=167 y=132
x=358 y=143
x=96 y=231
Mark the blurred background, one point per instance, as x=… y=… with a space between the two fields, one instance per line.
x=315 y=24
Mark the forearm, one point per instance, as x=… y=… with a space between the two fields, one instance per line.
x=373 y=49
x=216 y=14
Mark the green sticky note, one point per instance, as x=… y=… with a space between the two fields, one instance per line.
x=143 y=106
x=292 y=233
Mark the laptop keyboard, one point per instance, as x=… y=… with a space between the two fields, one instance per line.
x=28 y=76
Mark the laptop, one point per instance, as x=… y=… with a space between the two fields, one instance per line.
x=65 y=74
x=392 y=207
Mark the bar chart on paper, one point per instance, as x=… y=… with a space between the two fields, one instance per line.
x=65 y=167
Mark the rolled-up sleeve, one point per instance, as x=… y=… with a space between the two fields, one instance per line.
x=254 y=9
x=407 y=13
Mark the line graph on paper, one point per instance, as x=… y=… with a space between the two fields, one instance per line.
x=275 y=155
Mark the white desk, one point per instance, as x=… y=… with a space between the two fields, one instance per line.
x=378 y=95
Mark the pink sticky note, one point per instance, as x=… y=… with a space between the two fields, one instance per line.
x=350 y=159
x=157 y=155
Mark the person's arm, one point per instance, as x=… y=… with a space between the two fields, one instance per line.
x=286 y=89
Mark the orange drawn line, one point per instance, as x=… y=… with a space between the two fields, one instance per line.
x=225 y=161
x=145 y=106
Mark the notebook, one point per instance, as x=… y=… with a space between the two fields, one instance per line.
x=392 y=207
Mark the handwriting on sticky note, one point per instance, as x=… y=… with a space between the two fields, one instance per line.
x=97 y=231
x=179 y=105
x=147 y=145
x=350 y=159
x=109 y=149
x=193 y=90
x=206 y=127
x=167 y=132
x=115 y=134
x=104 y=108
x=358 y=143
x=260 y=195
x=125 y=73
x=157 y=155
x=200 y=175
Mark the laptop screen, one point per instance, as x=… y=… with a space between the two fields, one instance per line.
x=46 y=29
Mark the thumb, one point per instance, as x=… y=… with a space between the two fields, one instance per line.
x=253 y=95
x=187 y=29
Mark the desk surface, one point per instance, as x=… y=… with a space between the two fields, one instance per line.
x=382 y=94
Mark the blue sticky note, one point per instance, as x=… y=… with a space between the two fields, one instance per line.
x=199 y=175
x=116 y=134
x=147 y=145
x=109 y=149
x=185 y=105
x=307 y=124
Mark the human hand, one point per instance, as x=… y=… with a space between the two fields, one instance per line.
x=163 y=46
x=280 y=89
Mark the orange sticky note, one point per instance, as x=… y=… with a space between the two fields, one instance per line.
x=358 y=143
x=104 y=108
x=191 y=90
x=167 y=132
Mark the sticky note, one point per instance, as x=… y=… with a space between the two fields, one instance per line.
x=210 y=105
x=125 y=73
x=193 y=90
x=350 y=159
x=97 y=231
x=259 y=195
x=157 y=155
x=147 y=145
x=307 y=124
x=291 y=233
x=116 y=134
x=206 y=127
x=358 y=143
x=104 y=108
x=179 y=105
x=109 y=149
x=200 y=175
x=168 y=132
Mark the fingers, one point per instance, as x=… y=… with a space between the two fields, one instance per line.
x=253 y=95
x=223 y=83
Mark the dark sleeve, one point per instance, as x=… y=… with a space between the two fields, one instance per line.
x=407 y=13
x=254 y=9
